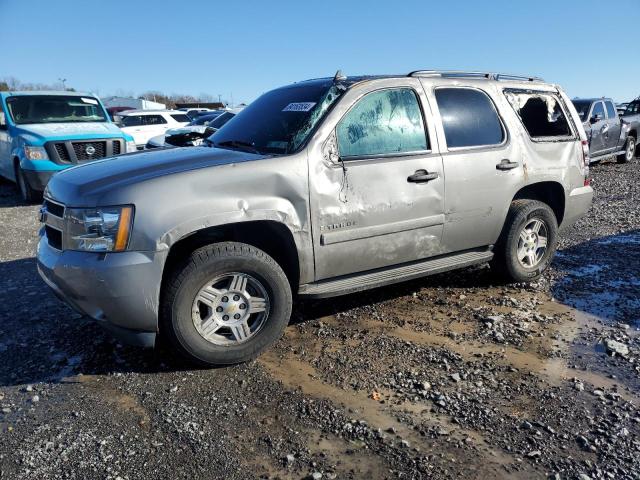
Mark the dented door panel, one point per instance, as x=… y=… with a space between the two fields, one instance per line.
x=365 y=213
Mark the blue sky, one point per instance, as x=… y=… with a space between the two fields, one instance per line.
x=244 y=48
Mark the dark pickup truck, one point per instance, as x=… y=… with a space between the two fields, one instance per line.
x=609 y=134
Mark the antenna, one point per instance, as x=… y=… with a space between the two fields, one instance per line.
x=339 y=76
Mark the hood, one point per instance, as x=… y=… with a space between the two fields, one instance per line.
x=84 y=184
x=187 y=129
x=71 y=130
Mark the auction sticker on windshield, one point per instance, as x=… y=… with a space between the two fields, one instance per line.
x=299 y=107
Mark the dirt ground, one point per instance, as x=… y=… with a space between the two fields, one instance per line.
x=452 y=376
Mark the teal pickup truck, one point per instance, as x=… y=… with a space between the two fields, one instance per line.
x=42 y=133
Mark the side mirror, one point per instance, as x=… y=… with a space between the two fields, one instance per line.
x=330 y=149
x=596 y=118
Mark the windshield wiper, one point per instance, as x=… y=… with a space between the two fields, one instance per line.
x=237 y=144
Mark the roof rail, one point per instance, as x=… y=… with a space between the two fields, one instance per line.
x=461 y=73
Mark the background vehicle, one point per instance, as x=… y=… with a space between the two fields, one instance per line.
x=144 y=124
x=193 y=113
x=621 y=107
x=323 y=187
x=192 y=134
x=42 y=133
x=631 y=117
x=608 y=135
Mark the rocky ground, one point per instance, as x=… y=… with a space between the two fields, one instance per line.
x=453 y=376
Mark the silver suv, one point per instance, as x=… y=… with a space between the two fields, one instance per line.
x=320 y=188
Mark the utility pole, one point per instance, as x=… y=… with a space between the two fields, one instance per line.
x=64 y=81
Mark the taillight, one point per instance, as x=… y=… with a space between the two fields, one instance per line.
x=586 y=160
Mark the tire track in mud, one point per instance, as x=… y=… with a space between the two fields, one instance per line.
x=481 y=458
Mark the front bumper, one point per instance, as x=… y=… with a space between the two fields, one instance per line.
x=38 y=179
x=577 y=205
x=119 y=290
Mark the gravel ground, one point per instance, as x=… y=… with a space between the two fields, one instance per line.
x=452 y=376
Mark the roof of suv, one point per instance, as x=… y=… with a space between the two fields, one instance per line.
x=591 y=99
x=448 y=74
x=149 y=112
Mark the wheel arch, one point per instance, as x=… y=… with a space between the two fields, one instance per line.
x=272 y=237
x=549 y=192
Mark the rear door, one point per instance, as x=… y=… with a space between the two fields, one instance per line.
x=612 y=135
x=599 y=126
x=381 y=201
x=483 y=165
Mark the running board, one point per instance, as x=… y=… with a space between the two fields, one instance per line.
x=610 y=154
x=387 y=276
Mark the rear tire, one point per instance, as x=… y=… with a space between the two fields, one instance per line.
x=629 y=151
x=225 y=304
x=28 y=194
x=527 y=243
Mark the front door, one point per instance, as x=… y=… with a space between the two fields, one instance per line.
x=378 y=198
x=6 y=166
x=599 y=126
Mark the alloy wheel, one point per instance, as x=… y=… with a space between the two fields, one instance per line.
x=532 y=244
x=230 y=309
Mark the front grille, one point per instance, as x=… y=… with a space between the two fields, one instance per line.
x=89 y=150
x=52 y=214
x=54 y=208
x=84 y=150
x=54 y=237
x=61 y=150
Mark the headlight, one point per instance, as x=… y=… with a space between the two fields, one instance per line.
x=35 y=153
x=131 y=147
x=104 y=229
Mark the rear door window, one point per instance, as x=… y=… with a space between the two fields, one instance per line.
x=385 y=122
x=541 y=113
x=181 y=118
x=469 y=118
x=611 y=110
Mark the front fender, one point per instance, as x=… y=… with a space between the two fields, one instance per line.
x=285 y=214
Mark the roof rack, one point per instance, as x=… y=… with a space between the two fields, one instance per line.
x=463 y=74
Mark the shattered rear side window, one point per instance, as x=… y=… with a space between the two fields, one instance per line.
x=541 y=114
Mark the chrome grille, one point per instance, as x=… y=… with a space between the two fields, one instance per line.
x=77 y=151
x=52 y=215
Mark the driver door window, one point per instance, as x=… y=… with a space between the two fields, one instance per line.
x=386 y=122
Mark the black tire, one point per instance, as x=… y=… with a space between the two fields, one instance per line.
x=204 y=264
x=629 y=150
x=28 y=194
x=505 y=262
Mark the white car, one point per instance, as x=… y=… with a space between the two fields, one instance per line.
x=144 y=124
x=194 y=133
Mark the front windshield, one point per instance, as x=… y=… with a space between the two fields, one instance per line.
x=55 y=109
x=583 y=108
x=633 y=108
x=280 y=121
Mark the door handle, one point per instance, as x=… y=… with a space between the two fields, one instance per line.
x=506 y=164
x=422 y=176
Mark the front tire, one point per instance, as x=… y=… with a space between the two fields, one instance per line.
x=28 y=194
x=226 y=304
x=629 y=151
x=527 y=243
